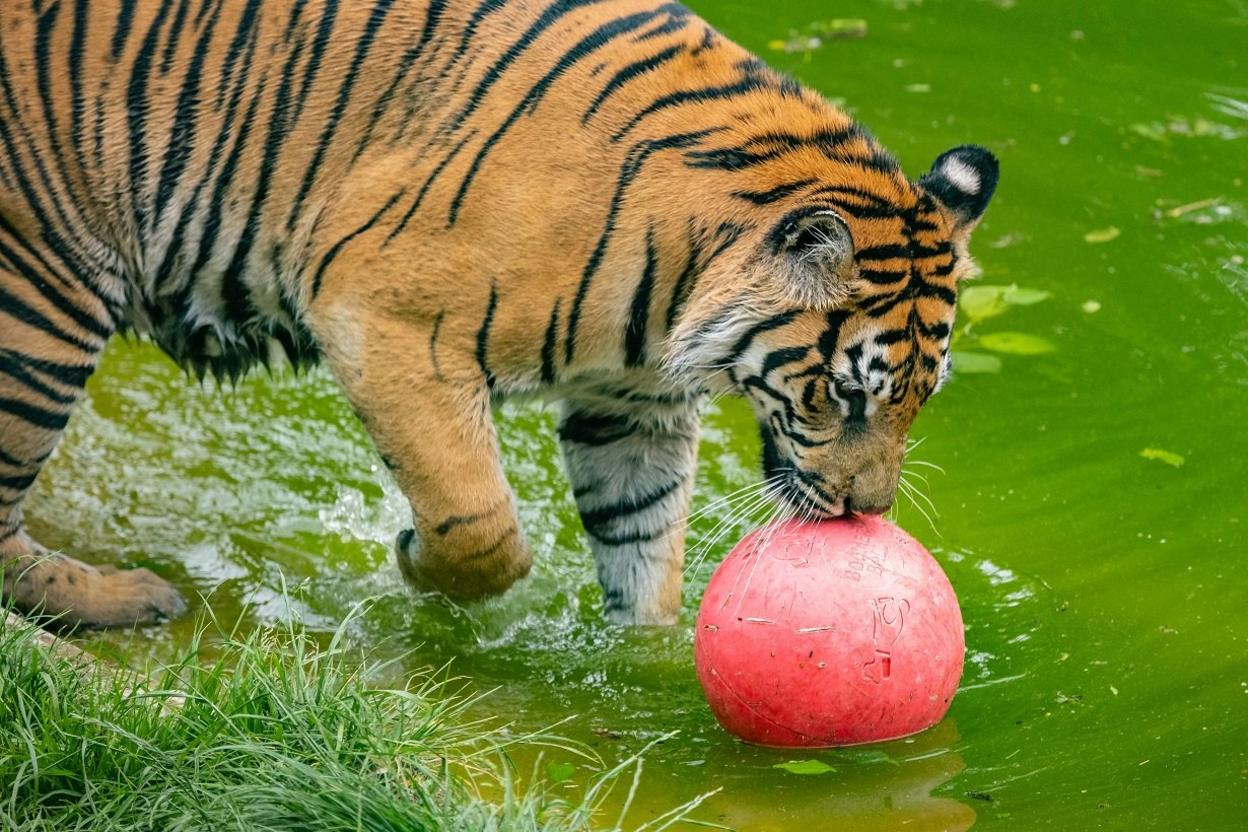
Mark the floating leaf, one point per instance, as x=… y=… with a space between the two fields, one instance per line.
x=1198 y=205
x=1015 y=343
x=840 y=28
x=560 y=772
x=1016 y=296
x=1169 y=457
x=983 y=301
x=975 y=362
x=1102 y=235
x=867 y=756
x=805 y=767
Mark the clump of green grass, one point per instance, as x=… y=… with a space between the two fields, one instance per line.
x=273 y=733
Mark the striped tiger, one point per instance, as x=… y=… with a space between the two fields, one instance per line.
x=448 y=202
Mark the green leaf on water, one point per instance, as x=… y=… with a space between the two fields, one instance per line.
x=1102 y=235
x=1015 y=343
x=839 y=28
x=805 y=767
x=975 y=362
x=867 y=757
x=560 y=772
x=983 y=301
x=1017 y=296
x=1169 y=457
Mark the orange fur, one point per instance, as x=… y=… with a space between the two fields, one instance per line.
x=453 y=202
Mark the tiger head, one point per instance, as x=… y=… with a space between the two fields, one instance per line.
x=835 y=321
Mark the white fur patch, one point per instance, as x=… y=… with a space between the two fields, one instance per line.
x=962 y=175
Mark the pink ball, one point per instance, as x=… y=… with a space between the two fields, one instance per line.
x=830 y=633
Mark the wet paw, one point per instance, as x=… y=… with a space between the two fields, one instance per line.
x=464 y=575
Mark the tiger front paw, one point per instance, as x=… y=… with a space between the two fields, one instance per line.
x=77 y=595
x=464 y=575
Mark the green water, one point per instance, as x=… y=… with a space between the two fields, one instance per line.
x=1106 y=685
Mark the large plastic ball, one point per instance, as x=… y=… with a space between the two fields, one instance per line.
x=829 y=633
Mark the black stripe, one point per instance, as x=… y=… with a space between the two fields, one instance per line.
x=678 y=20
x=55 y=298
x=121 y=31
x=180 y=300
x=69 y=251
x=337 y=247
x=457 y=520
x=781 y=358
x=685 y=280
x=600 y=37
x=237 y=297
x=324 y=29
x=595 y=429
x=216 y=207
x=747 y=339
x=639 y=313
x=424 y=189
x=483 y=336
x=243 y=35
x=16 y=308
x=19 y=367
x=175 y=35
x=774 y=194
x=594 y=519
x=726 y=235
x=548 y=344
x=362 y=46
x=892 y=251
x=137 y=107
x=626 y=539
x=433 y=344
x=548 y=18
x=630 y=169
x=771 y=145
x=185 y=111
x=627 y=74
x=750 y=83
x=882 y=277
x=433 y=16
x=37 y=416
x=20 y=482
x=487 y=8
x=212 y=223
x=44 y=63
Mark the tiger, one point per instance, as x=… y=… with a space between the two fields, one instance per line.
x=603 y=204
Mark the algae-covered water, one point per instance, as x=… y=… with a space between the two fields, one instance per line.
x=1092 y=511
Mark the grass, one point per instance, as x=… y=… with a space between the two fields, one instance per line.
x=273 y=733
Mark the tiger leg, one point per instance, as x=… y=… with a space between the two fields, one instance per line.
x=431 y=422
x=631 y=465
x=51 y=334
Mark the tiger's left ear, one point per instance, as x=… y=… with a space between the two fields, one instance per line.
x=817 y=249
x=963 y=180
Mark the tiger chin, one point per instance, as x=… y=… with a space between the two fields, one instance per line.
x=605 y=204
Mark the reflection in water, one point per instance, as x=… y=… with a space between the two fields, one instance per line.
x=865 y=793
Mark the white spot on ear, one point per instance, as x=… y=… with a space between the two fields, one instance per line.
x=963 y=176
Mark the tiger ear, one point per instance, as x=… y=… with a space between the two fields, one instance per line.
x=963 y=181
x=817 y=252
